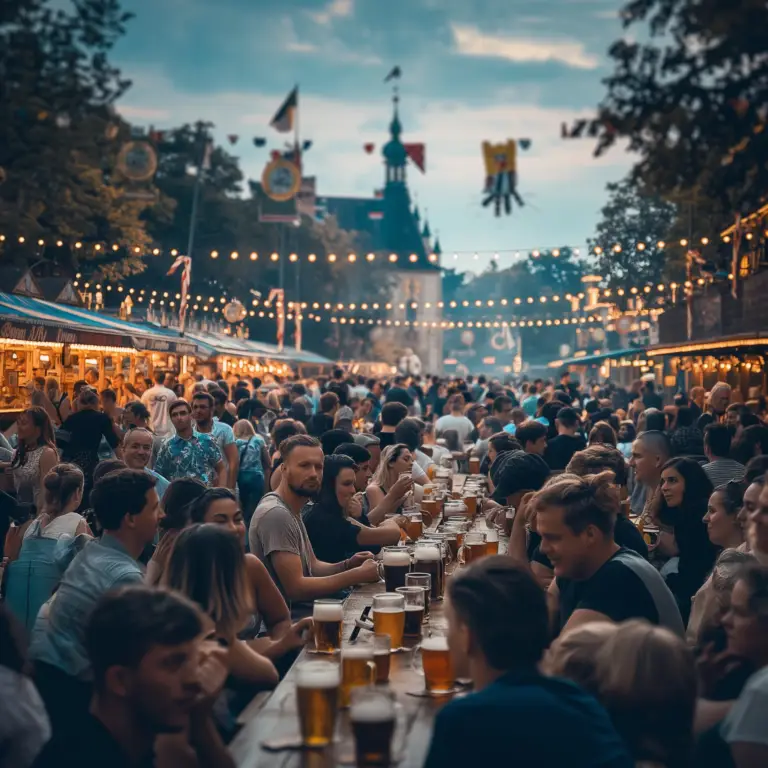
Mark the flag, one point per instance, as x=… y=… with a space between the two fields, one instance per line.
x=233 y=138
x=523 y=143
x=417 y=153
x=259 y=141
x=369 y=148
x=394 y=74
x=285 y=117
x=186 y=278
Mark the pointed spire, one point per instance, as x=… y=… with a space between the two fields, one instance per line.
x=416 y=215
x=426 y=233
x=437 y=249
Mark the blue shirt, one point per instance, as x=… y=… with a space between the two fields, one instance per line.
x=161 y=484
x=530 y=404
x=58 y=637
x=196 y=457
x=525 y=719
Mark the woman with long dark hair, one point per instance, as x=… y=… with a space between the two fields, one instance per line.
x=334 y=534
x=207 y=565
x=219 y=506
x=35 y=456
x=680 y=509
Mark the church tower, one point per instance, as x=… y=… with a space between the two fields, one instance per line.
x=415 y=267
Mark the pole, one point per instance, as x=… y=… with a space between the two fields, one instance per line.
x=689 y=274
x=196 y=197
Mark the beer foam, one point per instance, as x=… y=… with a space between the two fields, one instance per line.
x=387 y=609
x=372 y=710
x=318 y=674
x=435 y=643
x=427 y=553
x=396 y=558
x=358 y=652
x=327 y=612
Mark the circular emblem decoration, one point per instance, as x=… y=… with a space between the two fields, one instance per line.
x=234 y=312
x=281 y=180
x=137 y=160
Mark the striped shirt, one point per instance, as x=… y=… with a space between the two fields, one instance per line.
x=722 y=471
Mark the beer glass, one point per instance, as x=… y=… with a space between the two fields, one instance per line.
x=389 y=617
x=474 y=465
x=396 y=562
x=428 y=559
x=438 y=667
x=429 y=509
x=372 y=715
x=357 y=669
x=451 y=541
x=509 y=518
x=414 y=611
x=382 y=649
x=424 y=581
x=317 y=696
x=414 y=526
x=491 y=542
x=470 y=499
x=474 y=546
x=327 y=616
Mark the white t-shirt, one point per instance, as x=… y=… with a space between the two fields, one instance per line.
x=24 y=725
x=746 y=721
x=422 y=460
x=157 y=399
x=460 y=424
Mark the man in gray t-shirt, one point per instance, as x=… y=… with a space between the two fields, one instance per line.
x=274 y=528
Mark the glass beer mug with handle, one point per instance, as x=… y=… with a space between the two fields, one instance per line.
x=388 y=612
x=395 y=562
x=437 y=665
x=423 y=580
x=372 y=714
x=428 y=558
x=358 y=668
x=317 y=696
x=327 y=617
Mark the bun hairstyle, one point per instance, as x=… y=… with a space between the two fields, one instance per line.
x=88 y=397
x=590 y=500
x=61 y=484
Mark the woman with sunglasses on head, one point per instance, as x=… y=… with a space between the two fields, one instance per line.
x=333 y=533
x=219 y=506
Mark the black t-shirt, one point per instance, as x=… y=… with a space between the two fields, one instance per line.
x=560 y=450
x=92 y=746
x=398 y=395
x=227 y=418
x=333 y=537
x=86 y=428
x=385 y=439
x=625 y=534
x=615 y=590
x=652 y=400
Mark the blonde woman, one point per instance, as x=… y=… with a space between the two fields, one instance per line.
x=573 y=655
x=391 y=484
x=253 y=476
x=207 y=565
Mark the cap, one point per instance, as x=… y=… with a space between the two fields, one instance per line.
x=345 y=412
x=518 y=471
x=366 y=440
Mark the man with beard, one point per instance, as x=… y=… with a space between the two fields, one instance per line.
x=278 y=537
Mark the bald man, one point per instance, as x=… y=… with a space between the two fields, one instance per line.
x=649 y=453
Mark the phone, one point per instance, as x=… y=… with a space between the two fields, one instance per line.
x=363 y=617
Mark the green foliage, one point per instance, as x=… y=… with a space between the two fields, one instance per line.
x=690 y=98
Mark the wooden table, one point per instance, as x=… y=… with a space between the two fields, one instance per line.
x=274 y=718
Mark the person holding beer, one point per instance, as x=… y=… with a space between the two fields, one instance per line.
x=278 y=536
x=393 y=475
x=498 y=629
x=333 y=531
x=410 y=432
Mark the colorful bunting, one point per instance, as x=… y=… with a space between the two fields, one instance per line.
x=285 y=117
x=501 y=176
x=369 y=147
x=233 y=138
x=417 y=153
x=259 y=141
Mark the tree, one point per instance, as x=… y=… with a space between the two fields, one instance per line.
x=690 y=98
x=635 y=223
x=58 y=136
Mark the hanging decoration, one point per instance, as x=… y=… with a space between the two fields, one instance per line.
x=586 y=128
x=137 y=161
x=501 y=176
x=259 y=141
x=157 y=137
x=235 y=311
x=233 y=138
x=369 y=147
x=417 y=153
x=278 y=296
x=186 y=277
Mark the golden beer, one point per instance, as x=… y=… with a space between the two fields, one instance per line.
x=396 y=562
x=492 y=542
x=390 y=621
x=328 y=616
x=414 y=526
x=428 y=559
x=357 y=668
x=438 y=667
x=509 y=519
x=372 y=715
x=474 y=465
x=471 y=502
x=474 y=547
x=317 y=696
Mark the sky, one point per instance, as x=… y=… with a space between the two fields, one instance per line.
x=472 y=70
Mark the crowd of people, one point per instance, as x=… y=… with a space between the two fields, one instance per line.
x=164 y=541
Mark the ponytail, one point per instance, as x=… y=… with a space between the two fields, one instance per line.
x=61 y=484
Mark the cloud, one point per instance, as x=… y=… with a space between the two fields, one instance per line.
x=470 y=41
x=295 y=46
x=336 y=9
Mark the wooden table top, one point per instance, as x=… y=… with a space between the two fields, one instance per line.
x=273 y=717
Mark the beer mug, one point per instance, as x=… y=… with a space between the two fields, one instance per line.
x=474 y=547
x=470 y=499
x=424 y=581
x=358 y=668
x=428 y=489
x=389 y=617
x=317 y=697
x=428 y=558
x=414 y=611
x=414 y=525
x=474 y=465
x=327 y=616
x=509 y=519
x=396 y=562
x=491 y=542
x=382 y=651
x=436 y=662
x=372 y=714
